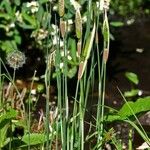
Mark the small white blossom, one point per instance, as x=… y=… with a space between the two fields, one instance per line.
x=62 y=53
x=61 y=65
x=33 y=91
x=75 y=4
x=9 y=26
x=34 y=5
x=57 y=41
x=70 y=21
x=84 y=19
x=40 y=34
x=55 y=8
x=103 y=4
x=130 y=21
x=54 y=29
x=69 y=57
x=12 y=25
x=19 y=16
x=69 y=25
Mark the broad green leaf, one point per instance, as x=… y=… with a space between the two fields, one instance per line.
x=132 y=77
x=17 y=39
x=5 y=16
x=8 y=46
x=142 y=105
x=35 y=139
x=3 y=137
x=8 y=7
x=30 y=19
x=10 y=114
x=26 y=26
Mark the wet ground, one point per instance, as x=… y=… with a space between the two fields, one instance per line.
x=129 y=52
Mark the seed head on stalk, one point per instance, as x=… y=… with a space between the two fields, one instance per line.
x=15 y=59
x=78 y=24
x=61 y=6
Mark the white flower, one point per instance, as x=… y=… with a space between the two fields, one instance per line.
x=12 y=25
x=75 y=4
x=84 y=19
x=70 y=21
x=57 y=41
x=55 y=8
x=130 y=21
x=40 y=34
x=62 y=53
x=33 y=5
x=69 y=57
x=19 y=16
x=103 y=4
x=61 y=65
x=54 y=29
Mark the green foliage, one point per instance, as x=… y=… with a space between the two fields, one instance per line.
x=131 y=93
x=128 y=8
x=6 y=118
x=141 y=106
x=116 y=23
x=35 y=139
x=132 y=77
x=38 y=22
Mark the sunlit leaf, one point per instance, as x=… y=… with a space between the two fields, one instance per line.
x=142 y=105
x=133 y=92
x=117 y=23
x=132 y=77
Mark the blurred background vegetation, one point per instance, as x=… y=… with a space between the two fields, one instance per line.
x=18 y=25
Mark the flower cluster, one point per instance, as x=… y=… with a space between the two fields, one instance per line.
x=40 y=34
x=75 y=4
x=103 y=5
x=34 y=6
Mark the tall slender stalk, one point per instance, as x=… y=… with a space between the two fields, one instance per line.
x=29 y=110
x=1 y=84
x=102 y=75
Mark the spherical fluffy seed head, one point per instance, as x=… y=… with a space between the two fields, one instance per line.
x=15 y=59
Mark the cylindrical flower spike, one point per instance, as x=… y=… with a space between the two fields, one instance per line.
x=61 y=6
x=105 y=55
x=63 y=28
x=78 y=24
x=79 y=45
